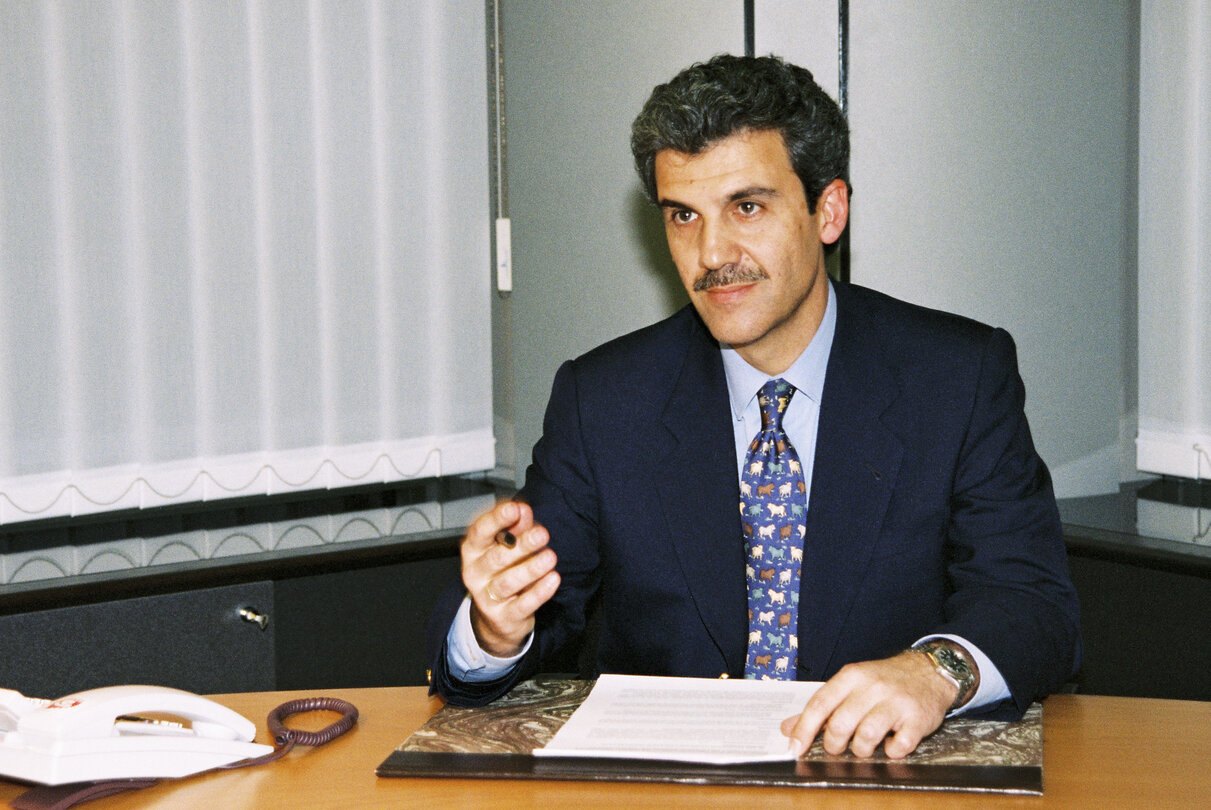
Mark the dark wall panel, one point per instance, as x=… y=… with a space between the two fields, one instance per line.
x=362 y=627
x=193 y=640
x=1146 y=631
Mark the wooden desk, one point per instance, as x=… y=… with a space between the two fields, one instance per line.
x=1098 y=752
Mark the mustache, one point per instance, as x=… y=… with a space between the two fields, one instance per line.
x=729 y=274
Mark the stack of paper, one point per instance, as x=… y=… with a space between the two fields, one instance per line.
x=682 y=719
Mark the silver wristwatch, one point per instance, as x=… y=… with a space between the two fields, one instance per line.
x=953 y=665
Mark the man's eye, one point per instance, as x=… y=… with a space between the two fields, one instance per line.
x=747 y=207
x=682 y=217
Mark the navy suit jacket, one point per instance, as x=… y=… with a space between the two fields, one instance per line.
x=930 y=510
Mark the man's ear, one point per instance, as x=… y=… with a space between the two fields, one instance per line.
x=832 y=211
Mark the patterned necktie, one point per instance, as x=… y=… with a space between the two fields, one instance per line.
x=772 y=513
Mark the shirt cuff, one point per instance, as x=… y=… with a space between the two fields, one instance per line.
x=992 y=686
x=466 y=659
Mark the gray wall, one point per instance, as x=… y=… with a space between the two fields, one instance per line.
x=994 y=174
x=589 y=260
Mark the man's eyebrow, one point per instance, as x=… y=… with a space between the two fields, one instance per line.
x=752 y=191
x=742 y=194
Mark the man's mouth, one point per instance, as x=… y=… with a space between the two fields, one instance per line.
x=729 y=275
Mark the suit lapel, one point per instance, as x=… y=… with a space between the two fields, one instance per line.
x=700 y=496
x=857 y=459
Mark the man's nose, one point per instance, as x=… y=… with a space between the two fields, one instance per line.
x=716 y=245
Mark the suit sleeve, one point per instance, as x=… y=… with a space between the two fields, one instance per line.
x=559 y=487
x=1011 y=593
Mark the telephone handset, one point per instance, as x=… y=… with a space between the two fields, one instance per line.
x=119 y=732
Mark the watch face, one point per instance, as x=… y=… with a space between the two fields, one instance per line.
x=952 y=661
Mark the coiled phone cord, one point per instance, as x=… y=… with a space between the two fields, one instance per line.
x=284 y=739
x=283 y=735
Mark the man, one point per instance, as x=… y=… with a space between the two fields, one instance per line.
x=907 y=501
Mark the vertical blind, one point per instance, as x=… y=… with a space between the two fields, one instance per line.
x=244 y=249
x=1175 y=239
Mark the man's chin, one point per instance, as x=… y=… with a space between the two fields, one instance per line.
x=729 y=333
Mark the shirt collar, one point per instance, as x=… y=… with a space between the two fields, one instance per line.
x=806 y=373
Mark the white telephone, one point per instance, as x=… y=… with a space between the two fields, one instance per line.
x=105 y=733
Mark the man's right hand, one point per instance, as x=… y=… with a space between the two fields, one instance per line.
x=507 y=585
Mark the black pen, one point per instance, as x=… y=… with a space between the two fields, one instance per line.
x=506 y=538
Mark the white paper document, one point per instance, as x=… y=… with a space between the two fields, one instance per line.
x=683 y=719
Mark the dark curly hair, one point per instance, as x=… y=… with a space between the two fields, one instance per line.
x=726 y=95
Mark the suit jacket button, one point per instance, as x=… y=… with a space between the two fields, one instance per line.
x=723 y=676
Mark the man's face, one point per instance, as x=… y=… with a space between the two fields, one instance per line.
x=748 y=251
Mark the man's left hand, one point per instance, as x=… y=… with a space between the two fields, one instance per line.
x=859 y=707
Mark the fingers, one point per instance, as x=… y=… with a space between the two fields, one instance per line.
x=513 y=517
x=507 y=583
x=510 y=572
x=894 y=702
x=483 y=557
x=502 y=611
x=520 y=607
x=803 y=728
x=862 y=723
x=903 y=741
x=861 y=718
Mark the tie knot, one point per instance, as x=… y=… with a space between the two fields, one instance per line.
x=773 y=398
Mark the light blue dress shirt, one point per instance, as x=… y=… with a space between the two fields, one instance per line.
x=469 y=663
